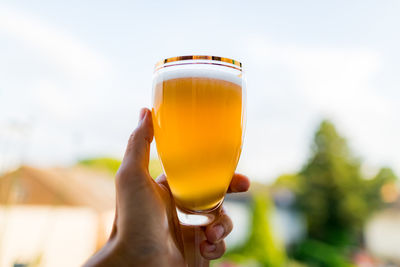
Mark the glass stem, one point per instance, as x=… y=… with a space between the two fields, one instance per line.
x=192 y=236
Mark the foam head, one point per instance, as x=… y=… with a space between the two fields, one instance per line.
x=193 y=70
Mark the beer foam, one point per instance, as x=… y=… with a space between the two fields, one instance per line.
x=198 y=72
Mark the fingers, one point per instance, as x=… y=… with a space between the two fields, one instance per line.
x=219 y=229
x=136 y=158
x=214 y=247
x=212 y=251
x=135 y=162
x=239 y=183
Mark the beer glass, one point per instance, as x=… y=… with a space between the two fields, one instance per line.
x=198 y=116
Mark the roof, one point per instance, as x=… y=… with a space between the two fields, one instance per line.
x=74 y=186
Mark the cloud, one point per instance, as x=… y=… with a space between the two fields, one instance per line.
x=54 y=82
x=331 y=78
x=339 y=83
x=74 y=57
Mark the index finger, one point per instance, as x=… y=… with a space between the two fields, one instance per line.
x=239 y=183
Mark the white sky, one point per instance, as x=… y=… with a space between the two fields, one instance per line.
x=74 y=75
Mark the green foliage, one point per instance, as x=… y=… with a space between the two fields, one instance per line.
x=111 y=165
x=333 y=191
x=335 y=199
x=316 y=253
x=289 y=181
x=385 y=175
x=261 y=247
x=373 y=187
x=155 y=168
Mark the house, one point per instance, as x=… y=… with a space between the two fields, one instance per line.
x=54 y=216
x=382 y=233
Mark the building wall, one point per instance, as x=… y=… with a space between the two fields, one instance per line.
x=55 y=236
x=382 y=234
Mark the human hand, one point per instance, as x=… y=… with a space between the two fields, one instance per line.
x=146 y=230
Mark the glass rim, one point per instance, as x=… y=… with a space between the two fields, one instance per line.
x=162 y=63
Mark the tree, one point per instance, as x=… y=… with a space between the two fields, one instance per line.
x=381 y=187
x=262 y=247
x=334 y=196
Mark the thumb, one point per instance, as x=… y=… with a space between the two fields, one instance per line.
x=136 y=158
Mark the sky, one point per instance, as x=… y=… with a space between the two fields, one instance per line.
x=74 y=75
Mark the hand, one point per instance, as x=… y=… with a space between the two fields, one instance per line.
x=146 y=231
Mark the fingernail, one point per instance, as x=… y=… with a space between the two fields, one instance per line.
x=219 y=231
x=142 y=114
x=211 y=248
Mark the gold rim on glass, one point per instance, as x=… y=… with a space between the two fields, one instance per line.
x=161 y=63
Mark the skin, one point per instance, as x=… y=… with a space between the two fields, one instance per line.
x=146 y=231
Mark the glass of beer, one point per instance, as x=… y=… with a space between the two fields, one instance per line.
x=198 y=116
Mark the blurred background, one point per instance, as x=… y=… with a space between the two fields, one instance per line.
x=321 y=144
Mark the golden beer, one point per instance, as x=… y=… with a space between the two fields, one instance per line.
x=198 y=129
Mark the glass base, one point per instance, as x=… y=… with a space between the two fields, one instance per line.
x=200 y=218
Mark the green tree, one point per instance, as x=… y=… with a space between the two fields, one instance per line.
x=288 y=181
x=332 y=196
x=332 y=193
x=335 y=199
x=374 y=193
x=261 y=248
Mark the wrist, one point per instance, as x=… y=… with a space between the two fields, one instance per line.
x=104 y=257
x=139 y=254
x=120 y=252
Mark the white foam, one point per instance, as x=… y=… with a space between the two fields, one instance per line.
x=212 y=72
